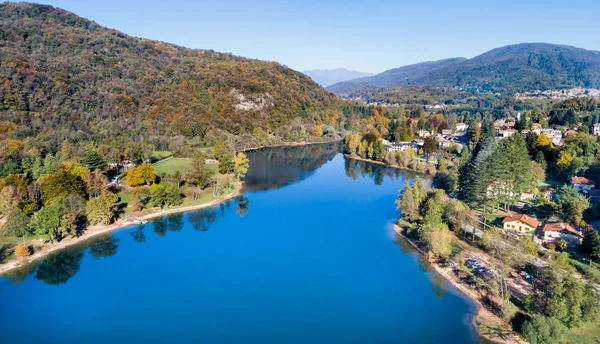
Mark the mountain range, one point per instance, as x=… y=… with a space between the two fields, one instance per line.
x=513 y=68
x=328 y=77
x=63 y=77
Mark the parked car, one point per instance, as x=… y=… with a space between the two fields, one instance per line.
x=471 y=262
x=480 y=269
x=476 y=266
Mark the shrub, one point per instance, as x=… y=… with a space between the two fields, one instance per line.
x=22 y=251
x=551 y=246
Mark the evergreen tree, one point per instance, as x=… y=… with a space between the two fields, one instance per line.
x=591 y=243
x=93 y=160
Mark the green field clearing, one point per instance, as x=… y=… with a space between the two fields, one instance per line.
x=169 y=167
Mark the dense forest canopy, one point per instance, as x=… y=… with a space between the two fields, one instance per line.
x=67 y=78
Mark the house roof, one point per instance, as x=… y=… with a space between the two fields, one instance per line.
x=526 y=219
x=596 y=124
x=562 y=227
x=582 y=180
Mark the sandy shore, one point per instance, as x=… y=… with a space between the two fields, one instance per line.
x=95 y=230
x=482 y=315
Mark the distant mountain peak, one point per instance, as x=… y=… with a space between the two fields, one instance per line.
x=327 y=77
x=512 y=68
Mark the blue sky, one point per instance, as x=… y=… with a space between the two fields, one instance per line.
x=368 y=36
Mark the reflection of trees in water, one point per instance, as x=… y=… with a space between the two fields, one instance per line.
x=202 y=219
x=375 y=172
x=175 y=222
x=242 y=206
x=439 y=284
x=159 y=224
x=104 y=245
x=279 y=166
x=60 y=267
x=18 y=275
x=138 y=234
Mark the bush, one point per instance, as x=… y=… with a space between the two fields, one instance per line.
x=22 y=251
x=551 y=246
x=543 y=330
x=508 y=310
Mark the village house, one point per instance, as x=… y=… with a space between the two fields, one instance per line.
x=506 y=133
x=596 y=129
x=520 y=223
x=401 y=146
x=444 y=143
x=461 y=127
x=554 y=232
x=499 y=124
x=582 y=184
x=446 y=132
x=423 y=133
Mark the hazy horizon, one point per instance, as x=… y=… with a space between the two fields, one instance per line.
x=371 y=36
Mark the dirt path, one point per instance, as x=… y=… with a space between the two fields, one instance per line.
x=95 y=230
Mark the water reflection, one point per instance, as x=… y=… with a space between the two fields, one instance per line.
x=60 y=267
x=138 y=234
x=202 y=219
x=439 y=284
x=105 y=245
x=279 y=166
x=242 y=206
x=375 y=172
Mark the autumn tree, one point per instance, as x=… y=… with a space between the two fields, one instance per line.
x=148 y=173
x=62 y=184
x=22 y=251
x=96 y=183
x=241 y=164
x=134 y=177
x=199 y=174
x=101 y=209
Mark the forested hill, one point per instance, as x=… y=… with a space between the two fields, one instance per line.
x=513 y=68
x=63 y=77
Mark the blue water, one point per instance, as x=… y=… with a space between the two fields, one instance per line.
x=309 y=257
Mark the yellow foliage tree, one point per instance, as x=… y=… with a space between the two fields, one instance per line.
x=565 y=158
x=22 y=251
x=241 y=162
x=148 y=172
x=75 y=168
x=543 y=143
x=134 y=177
x=317 y=130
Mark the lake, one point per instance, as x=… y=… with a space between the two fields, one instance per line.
x=306 y=255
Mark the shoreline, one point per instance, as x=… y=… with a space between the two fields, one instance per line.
x=354 y=157
x=480 y=313
x=96 y=230
x=290 y=144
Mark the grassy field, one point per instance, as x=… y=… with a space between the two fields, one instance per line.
x=169 y=167
x=587 y=334
x=159 y=155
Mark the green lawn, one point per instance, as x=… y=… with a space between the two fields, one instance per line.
x=587 y=334
x=169 y=167
x=159 y=155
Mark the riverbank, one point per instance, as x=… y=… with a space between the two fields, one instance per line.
x=483 y=317
x=291 y=144
x=355 y=157
x=92 y=231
